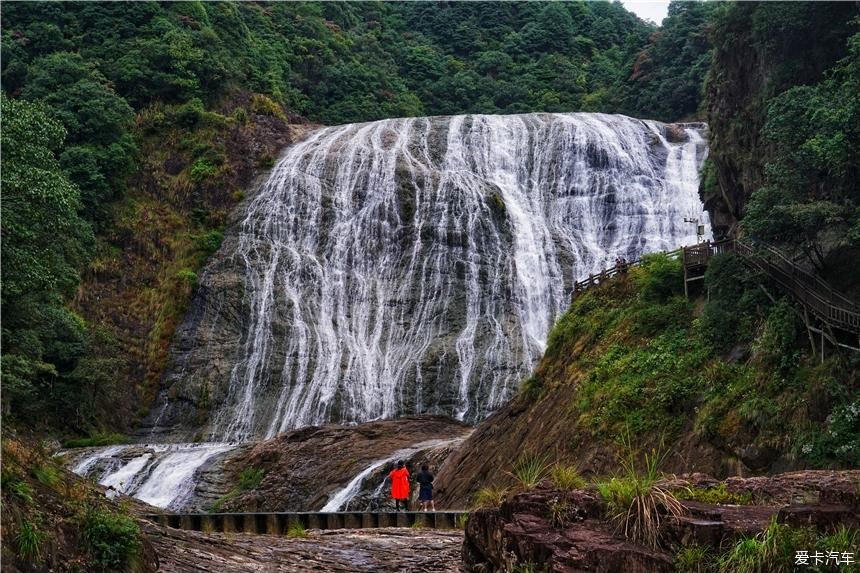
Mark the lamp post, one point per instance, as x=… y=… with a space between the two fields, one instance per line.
x=700 y=229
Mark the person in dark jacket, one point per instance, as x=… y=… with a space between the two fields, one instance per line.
x=425 y=488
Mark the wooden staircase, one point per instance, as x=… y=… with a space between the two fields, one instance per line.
x=825 y=311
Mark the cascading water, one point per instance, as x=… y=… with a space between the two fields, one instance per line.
x=417 y=265
x=159 y=474
x=407 y=266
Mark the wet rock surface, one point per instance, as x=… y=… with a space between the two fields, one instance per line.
x=304 y=468
x=411 y=266
x=338 y=551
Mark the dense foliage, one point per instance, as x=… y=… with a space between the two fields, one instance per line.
x=810 y=199
x=733 y=374
x=127 y=129
x=782 y=108
x=666 y=81
x=346 y=62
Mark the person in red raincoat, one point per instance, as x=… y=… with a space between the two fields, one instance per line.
x=400 y=486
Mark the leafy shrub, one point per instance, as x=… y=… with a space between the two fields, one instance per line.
x=533 y=388
x=210 y=241
x=202 y=169
x=776 y=345
x=189 y=113
x=188 y=277
x=249 y=478
x=659 y=277
x=653 y=319
x=838 y=442
x=113 y=538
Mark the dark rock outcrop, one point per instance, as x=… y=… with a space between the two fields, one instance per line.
x=304 y=468
x=522 y=532
x=569 y=532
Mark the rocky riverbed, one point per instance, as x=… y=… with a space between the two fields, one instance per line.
x=305 y=469
x=339 y=551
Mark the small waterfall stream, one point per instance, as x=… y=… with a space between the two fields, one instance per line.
x=340 y=500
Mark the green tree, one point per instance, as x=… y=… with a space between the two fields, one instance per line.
x=99 y=154
x=44 y=243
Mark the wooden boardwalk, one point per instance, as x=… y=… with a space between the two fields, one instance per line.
x=833 y=310
x=279 y=523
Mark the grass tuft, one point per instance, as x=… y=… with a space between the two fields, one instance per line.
x=491 y=496
x=529 y=471
x=296 y=529
x=694 y=559
x=635 y=501
x=29 y=540
x=566 y=477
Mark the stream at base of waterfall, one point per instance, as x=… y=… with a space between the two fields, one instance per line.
x=395 y=268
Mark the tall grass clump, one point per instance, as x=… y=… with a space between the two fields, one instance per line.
x=566 y=477
x=296 y=529
x=491 y=496
x=29 y=539
x=694 y=559
x=635 y=501
x=529 y=471
x=771 y=551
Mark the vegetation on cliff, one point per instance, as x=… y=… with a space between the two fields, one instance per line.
x=734 y=368
x=727 y=380
x=160 y=114
x=783 y=115
x=53 y=520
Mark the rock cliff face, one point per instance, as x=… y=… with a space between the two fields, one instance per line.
x=415 y=266
x=760 y=50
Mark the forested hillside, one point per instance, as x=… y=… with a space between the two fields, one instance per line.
x=147 y=121
x=131 y=130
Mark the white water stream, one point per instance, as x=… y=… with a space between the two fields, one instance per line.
x=159 y=474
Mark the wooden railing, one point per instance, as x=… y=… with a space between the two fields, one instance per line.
x=822 y=300
x=605 y=275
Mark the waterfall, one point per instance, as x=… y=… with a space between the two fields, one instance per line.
x=404 y=266
x=417 y=265
x=159 y=474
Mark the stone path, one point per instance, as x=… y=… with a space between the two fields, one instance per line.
x=335 y=551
